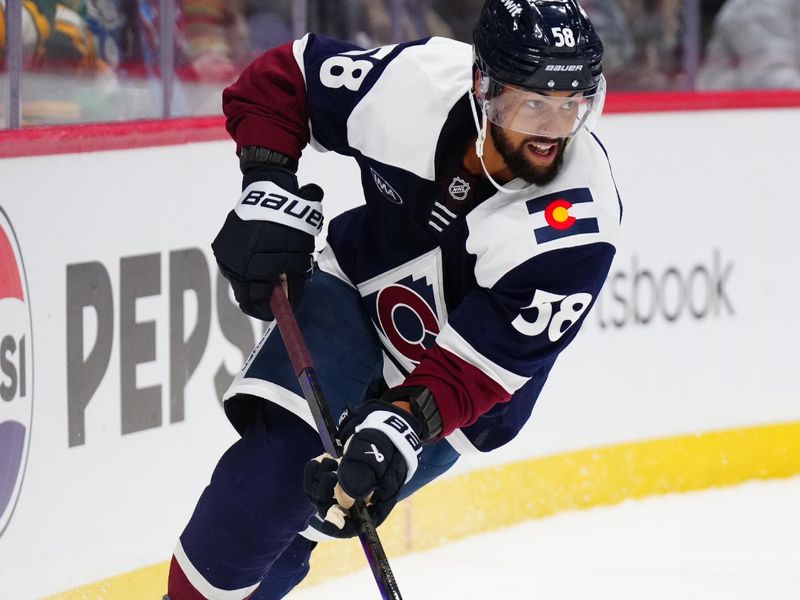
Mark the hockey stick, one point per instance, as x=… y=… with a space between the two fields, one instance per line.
x=328 y=433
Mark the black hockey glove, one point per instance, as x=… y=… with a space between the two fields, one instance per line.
x=380 y=455
x=270 y=232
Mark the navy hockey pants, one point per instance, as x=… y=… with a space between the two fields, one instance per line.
x=246 y=523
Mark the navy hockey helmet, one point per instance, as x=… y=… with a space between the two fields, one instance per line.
x=537 y=46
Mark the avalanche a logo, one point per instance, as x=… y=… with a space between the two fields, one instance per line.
x=407 y=308
x=16 y=371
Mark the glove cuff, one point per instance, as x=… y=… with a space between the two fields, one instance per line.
x=423 y=407
x=401 y=429
x=256 y=157
x=284 y=178
x=257 y=164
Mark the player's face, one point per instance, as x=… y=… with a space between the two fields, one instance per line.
x=529 y=129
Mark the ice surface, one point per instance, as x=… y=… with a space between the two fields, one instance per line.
x=735 y=543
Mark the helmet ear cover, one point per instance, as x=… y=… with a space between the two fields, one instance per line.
x=484 y=85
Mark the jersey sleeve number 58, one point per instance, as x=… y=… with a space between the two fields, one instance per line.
x=555 y=322
x=343 y=71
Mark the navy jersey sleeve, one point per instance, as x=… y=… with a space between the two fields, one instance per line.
x=498 y=338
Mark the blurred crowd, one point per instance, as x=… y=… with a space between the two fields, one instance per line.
x=95 y=60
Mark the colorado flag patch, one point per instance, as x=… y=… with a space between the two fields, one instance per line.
x=562 y=214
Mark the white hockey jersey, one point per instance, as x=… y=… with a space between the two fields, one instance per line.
x=473 y=292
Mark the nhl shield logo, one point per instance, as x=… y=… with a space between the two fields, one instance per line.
x=16 y=371
x=458 y=189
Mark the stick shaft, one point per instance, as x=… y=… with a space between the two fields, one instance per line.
x=328 y=432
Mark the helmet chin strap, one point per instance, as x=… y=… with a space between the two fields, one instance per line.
x=481 y=139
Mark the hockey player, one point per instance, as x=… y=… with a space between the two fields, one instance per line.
x=439 y=306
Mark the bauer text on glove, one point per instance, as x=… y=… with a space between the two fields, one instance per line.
x=270 y=232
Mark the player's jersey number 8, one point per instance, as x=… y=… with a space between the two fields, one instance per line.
x=343 y=71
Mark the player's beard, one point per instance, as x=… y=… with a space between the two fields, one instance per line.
x=520 y=166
